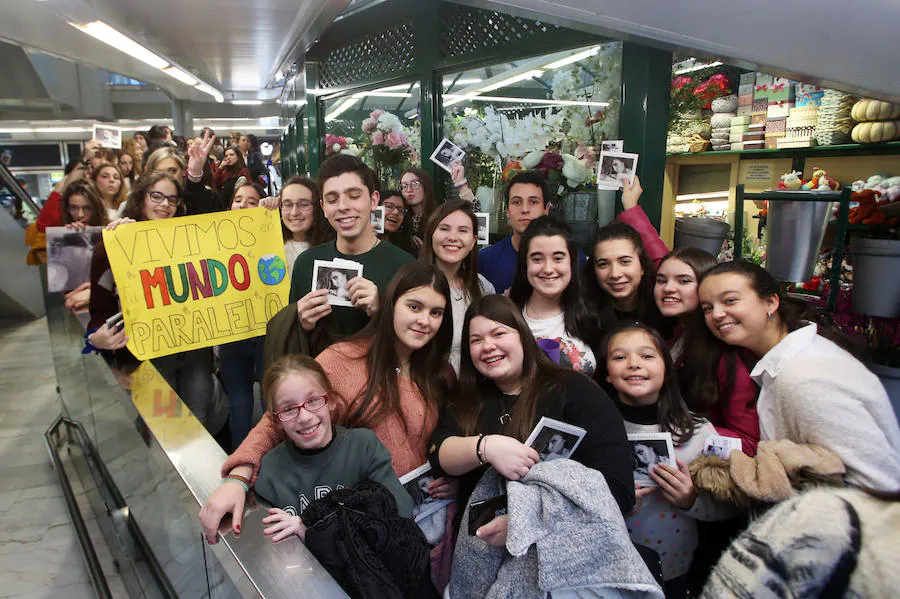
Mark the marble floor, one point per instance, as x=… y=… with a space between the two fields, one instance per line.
x=39 y=553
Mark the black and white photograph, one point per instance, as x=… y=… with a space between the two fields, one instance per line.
x=333 y=275
x=110 y=137
x=616 y=169
x=376 y=218
x=648 y=450
x=446 y=154
x=612 y=145
x=722 y=447
x=484 y=227
x=69 y=256
x=554 y=439
x=416 y=484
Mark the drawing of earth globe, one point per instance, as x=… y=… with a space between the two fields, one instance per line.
x=271 y=269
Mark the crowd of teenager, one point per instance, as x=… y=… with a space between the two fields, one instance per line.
x=437 y=361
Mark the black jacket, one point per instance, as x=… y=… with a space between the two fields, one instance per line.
x=370 y=551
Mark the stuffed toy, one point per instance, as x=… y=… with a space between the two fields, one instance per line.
x=868 y=212
x=791 y=181
x=821 y=181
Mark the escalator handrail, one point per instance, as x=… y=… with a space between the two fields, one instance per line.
x=10 y=181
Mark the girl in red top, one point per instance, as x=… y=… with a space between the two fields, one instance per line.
x=715 y=378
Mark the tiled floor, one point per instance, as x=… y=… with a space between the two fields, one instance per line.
x=39 y=553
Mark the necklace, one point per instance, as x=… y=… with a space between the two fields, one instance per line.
x=458 y=294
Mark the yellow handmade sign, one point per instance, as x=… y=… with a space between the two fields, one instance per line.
x=197 y=281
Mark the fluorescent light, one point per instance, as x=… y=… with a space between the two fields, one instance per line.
x=449 y=81
x=246 y=102
x=106 y=34
x=180 y=75
x=550 y=102
x=456 y=99
x=33 y=130
x=514 y=79
x=574 y=58
x=701 y=196
x=697 y=67
x=341 y=108
x=382 y=94
x=208 y=89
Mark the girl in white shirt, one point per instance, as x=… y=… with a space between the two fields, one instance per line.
x=812 y=391
x=450 y=242
x=547 y=288
x=302 y=220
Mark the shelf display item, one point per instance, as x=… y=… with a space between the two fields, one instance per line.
x=833 y=123
x=874 y=110
x=876 y=132
x=809 y=95
x=723 y=111
x=800 y=127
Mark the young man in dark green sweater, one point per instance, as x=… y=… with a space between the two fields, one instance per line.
x=348 y=199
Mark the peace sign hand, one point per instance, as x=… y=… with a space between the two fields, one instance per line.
x=198 y=154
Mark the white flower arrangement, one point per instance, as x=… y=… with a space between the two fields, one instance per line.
x=498 y=136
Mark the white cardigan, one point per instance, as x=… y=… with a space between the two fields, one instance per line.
x=815 y=392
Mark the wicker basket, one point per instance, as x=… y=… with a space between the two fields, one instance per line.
x=697 y=144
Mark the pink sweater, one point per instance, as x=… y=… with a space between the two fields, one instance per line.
x=637 y=219
x=345 y=365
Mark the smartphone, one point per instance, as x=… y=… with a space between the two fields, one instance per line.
x=116 y=322
x=482 y=512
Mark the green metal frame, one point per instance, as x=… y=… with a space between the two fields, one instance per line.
x=840 y=242
x=643 y=120
x=646 y=75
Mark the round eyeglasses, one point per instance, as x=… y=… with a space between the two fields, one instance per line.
x=302 y=206
x=412 y=185
x=312 y=404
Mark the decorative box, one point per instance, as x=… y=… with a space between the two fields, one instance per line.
x=754 y=145
x=748 y=78
x=777 y=112
x=758 y=118
x=744 y=110
x=810 y=98
x=759 y=106
x=764 y=79
x=745 y=100
x=760 y=136
x=776 y=126
x=739 y=130
x=737 y=146
x=781 y=92
x=761 y=92
x=772 y=143
x=736 y=137
x=740 y=120
x=746 y=89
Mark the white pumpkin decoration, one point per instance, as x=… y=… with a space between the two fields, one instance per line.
x=876 y=132
x=867 y=110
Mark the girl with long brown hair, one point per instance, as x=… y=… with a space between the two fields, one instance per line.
x=450 y=245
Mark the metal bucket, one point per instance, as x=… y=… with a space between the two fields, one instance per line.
x=796 y=229
x=876 y=277
x=707 y=234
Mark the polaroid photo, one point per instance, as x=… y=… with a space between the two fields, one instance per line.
x=416 y=484
x=484 y=228
x=612 y=145
x=616 y=168
x=69 y=254
x=110 y=137
x=376 y=219
x=333 y=275
x=446 y=154
x=721 y=447
x=554 y=439
x=648 y=450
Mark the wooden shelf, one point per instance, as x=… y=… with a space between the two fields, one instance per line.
x=892 y=147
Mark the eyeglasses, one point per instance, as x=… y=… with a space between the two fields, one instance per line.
x=302 y=206
x=313 y=404
x=388 y=207
x=410 y=186
x=157 y=197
